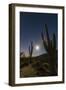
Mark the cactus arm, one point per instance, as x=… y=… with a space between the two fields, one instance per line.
x=45 y=45
x=29 y=49
x=47 y=34
x=44 y=42
x=54 y=41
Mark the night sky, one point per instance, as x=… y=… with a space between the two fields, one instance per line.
x=31 y=26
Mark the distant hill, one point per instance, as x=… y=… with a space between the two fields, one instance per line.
x=42 y=58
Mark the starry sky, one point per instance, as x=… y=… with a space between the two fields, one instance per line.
x=31 y=26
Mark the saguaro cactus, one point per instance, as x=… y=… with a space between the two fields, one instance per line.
x=50 y=47
x=30 y=50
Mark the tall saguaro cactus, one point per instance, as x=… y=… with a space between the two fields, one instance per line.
x=50 y=47
x=30 y=50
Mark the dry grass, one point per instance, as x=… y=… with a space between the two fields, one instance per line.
x=27 y=71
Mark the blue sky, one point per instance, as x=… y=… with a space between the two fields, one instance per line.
x=31 y=26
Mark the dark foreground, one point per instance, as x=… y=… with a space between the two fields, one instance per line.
x=38 y=66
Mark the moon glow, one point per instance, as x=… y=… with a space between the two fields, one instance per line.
x=37 y=47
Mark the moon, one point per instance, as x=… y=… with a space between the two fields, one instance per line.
x=37 y=47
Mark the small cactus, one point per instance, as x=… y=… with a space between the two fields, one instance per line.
x=30 y=50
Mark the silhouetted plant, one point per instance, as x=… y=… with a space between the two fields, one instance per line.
x=22 y=54
x=31 y=51
x=50 y=47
